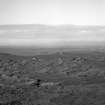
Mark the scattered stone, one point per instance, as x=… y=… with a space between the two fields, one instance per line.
x=34 y=60
x=47 y=84
x=60 y=61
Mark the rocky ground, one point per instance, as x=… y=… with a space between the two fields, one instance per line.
x=75 y=78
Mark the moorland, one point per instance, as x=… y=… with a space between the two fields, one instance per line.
x=60 y=78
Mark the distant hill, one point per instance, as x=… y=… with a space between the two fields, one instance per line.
x=39 y=36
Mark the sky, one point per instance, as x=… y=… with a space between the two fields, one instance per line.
x=52 y=12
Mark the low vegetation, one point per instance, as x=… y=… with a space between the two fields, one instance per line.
x=76 y=78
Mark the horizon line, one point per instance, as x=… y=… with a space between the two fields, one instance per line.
x=52 y=25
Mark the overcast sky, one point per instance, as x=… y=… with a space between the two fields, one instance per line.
x=51 y=12
x=80 y=12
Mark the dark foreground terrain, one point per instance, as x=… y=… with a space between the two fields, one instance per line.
x=75 y=78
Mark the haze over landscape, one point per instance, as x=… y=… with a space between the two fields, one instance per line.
x=52 y=22
x=49 y=36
